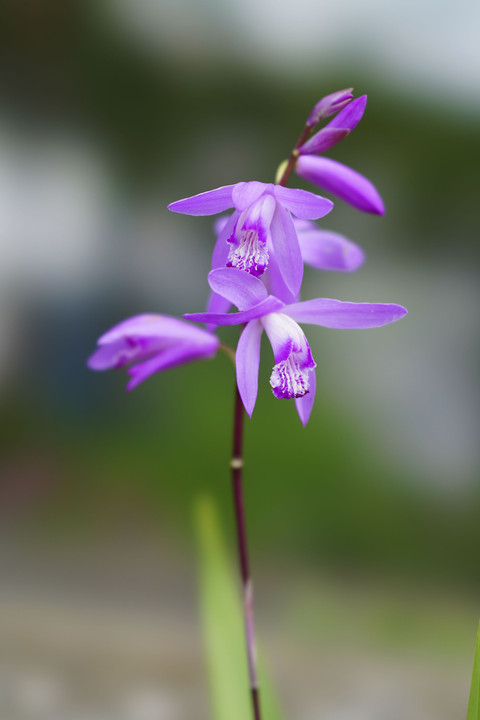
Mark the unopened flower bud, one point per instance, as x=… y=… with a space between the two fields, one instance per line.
x=329 y=105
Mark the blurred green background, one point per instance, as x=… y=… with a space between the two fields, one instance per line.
x=363 y=526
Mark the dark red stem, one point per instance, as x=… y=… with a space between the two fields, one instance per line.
x=237 y=486
x=294 y=155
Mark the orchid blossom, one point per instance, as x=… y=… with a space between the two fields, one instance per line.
x=262 y=215
x=292 y=375
x=155 y=343
x=321 y=249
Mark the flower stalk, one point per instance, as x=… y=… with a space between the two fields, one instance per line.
x=257 y=266
x=236 y=465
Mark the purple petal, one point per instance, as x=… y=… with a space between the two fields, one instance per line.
x=344 y=315
x=342 y=181
x=217 y=304
x=207 y=203
x=323 y=140
x=240 y=288
x=221 y=249
x=219 y=223
x=269 y=305
x=246 y=193
x=155 y=326
x=326 y=250
x=350 y=116
x=287 y=250
x=171 y=357
x=115 y=355
x=329 y=105
x=304 y=404
x=303 y=204
x=247 y=358
x=275 y=283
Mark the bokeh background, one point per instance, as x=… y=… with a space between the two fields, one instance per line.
x=364 y=527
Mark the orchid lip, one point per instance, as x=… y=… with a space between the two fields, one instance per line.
x=289 y=380
x=250 y=255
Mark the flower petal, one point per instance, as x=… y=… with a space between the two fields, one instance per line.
x=342 y=181
x=116 y=354
x=304 y=404
x=303 y=204
x=344 y=315
x=287 y=249
x=207 y=203
x=247 y=359
x=246 y=193
x=217 y=304
x=171 y=357
x=275 y=283
x=221 y=249
x=240 y=288
x=269 y=305
x=327 y=250
x=155 y=326
x=323 y=140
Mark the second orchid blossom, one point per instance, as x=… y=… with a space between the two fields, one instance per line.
x=292 y=376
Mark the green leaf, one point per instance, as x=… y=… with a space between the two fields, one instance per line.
x=473 y=712
x=223 y=626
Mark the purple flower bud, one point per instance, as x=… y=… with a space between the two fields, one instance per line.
x=329 y=105
x=341 y=125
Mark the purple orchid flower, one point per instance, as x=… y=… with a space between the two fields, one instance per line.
x=262 y=213
x=321 y=249
x=155 y=342
x=292 y=375
x=332 y=176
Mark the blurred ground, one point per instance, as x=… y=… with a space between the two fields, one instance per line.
x=104 y=639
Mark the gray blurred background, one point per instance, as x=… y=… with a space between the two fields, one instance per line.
x=364 y=526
